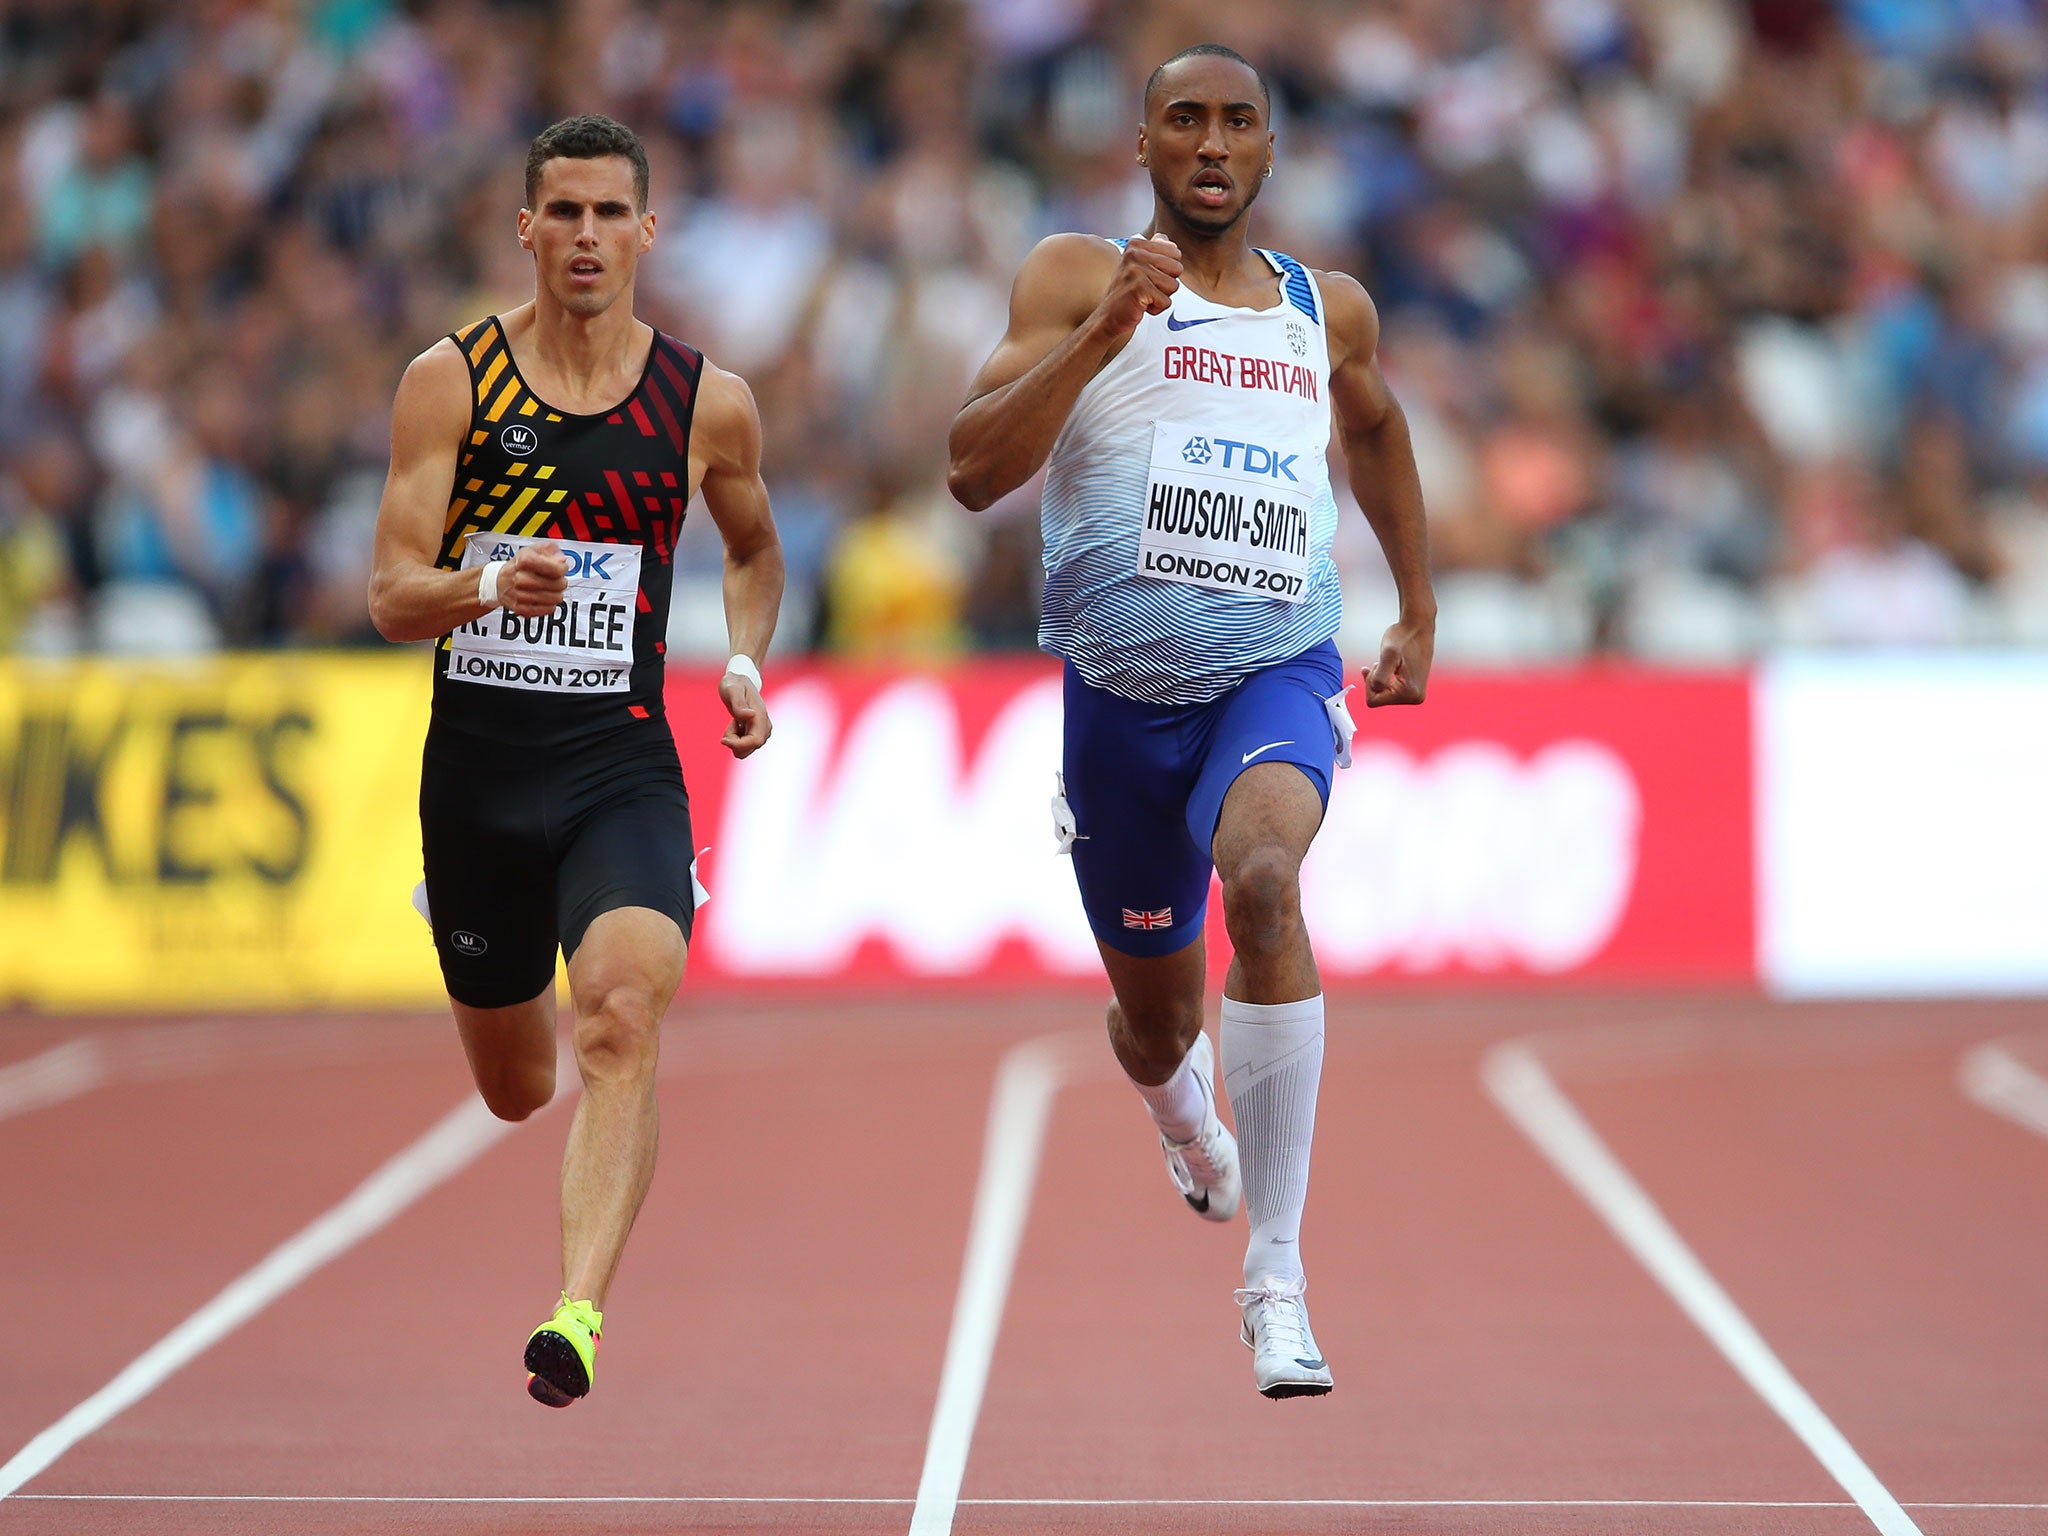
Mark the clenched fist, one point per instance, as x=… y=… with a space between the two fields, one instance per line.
x=1143 y=285
x=534 y=580
x=1401 y=675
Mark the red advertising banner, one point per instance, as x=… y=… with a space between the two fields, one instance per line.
x=1571 y=825
x=1593 y=823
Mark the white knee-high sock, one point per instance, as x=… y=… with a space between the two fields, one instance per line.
x=1178 y=1105
x=1272 y=1066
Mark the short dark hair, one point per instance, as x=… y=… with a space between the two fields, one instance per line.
x=589 y=137
x=1209 y=51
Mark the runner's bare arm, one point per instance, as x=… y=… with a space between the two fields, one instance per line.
x=1381 y=462
x=1072 y=308
x=725 y=443
x=410 y=599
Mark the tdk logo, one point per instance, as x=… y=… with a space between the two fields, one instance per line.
x=589 y=565
x=1197 y=450
x=1253 y=459
x=518 y=439
x=502 y=551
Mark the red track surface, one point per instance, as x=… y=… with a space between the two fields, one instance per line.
x=779 y=1326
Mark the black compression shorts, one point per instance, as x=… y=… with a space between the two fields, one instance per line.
x=525 y=849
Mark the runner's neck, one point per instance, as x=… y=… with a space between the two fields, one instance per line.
x=1224 y=268
x=575 y=363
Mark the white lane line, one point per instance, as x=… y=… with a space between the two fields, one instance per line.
x=1027 y=1082
x=150 y=1053
x=442 y=1152
x=62 y=1072
x=1526 y=1093
x=1998 y=1080
x=826 y=1499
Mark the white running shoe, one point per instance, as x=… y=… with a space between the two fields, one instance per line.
x=1204 y=1168
x=1285 y=1359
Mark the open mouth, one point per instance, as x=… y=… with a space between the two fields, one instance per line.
x=1211 y=188
x=586 y=269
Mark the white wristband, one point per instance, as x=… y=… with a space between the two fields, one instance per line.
x=743 y=666
x=487 y=583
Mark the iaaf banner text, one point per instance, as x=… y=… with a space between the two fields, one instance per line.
x=1589 y=825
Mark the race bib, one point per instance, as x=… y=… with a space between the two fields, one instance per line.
x=584 y=646
x=1226 y=514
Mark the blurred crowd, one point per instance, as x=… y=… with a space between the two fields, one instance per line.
x=1720 y=324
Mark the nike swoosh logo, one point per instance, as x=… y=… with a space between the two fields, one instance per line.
x=1317 y=1364
x=1269 y=746
x=1175 y=323
x=1201 y=1205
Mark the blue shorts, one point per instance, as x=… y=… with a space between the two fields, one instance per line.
x=1146 y=783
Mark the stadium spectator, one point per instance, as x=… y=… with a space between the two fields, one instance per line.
x=1662 y=283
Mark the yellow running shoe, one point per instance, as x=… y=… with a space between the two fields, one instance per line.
x=561 y=1354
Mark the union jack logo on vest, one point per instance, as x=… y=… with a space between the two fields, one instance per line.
x=1163 y=918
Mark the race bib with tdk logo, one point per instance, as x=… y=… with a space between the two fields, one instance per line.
x=584 y=646
x=1225 y=513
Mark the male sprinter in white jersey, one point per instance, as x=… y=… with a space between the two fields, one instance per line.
x=1179 y=386
x=541 y=462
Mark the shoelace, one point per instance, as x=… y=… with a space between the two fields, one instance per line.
x=584 y=1313
x=1197 y=1157
x=1285 y=1323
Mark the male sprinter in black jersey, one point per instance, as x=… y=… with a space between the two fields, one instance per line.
x=541 y=461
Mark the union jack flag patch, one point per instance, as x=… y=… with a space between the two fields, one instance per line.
x=1163 y=918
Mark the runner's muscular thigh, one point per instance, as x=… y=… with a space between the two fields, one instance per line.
x=1271 y=807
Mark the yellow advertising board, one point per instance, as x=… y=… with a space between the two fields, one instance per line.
x=235 y=832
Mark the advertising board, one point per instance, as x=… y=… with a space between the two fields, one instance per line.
x=242 y=833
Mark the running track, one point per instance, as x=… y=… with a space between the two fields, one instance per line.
x=1593 y=1265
